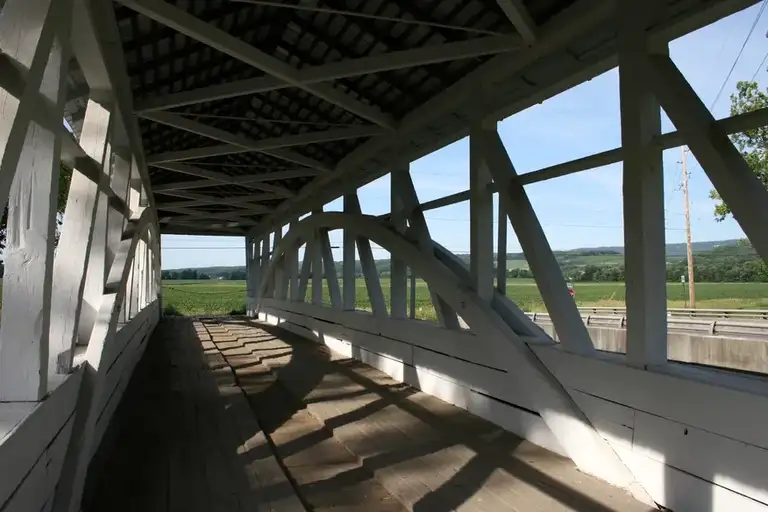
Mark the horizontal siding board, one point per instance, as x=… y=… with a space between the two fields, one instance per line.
x=732 y=413
x=20 y=450
x=39 y=484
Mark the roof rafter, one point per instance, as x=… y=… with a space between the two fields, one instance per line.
x=240 y=144
x=188 y=212
x=196 y=28
x=225 y=178
x=235 y=180
x=203 y=199
x=345 y=69
x=518 y=14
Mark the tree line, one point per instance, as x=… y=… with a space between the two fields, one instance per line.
x=191 y=274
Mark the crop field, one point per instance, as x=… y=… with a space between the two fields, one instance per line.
x=228 y=297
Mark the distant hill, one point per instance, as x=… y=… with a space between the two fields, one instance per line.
x=672 y=249
x=608 y=255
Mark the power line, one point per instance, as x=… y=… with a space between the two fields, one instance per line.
x=760 y=66
x=749 y=35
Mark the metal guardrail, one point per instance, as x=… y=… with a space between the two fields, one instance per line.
x=709 y=327
x=746 y=314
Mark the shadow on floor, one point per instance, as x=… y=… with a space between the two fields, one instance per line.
x=169 y=447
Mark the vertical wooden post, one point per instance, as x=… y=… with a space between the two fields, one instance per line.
x=32 y=200
x=28 y=29
x=371 y=275
x=306 y=271
x=248 y=284
x=349 y=271
x=269 y=290
x=330 y=269
x=121 y=176
x=77 y=231
x=280 y=270
x=97 y=258
x=481 y=221
x=317 y=268
x=412 y=312
x=398 y=280
x=418 y=225
x=501 y=248
x=292 y=262
x=254 y=273
x=643 y=194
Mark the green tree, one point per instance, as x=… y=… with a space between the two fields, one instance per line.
x=753 y=144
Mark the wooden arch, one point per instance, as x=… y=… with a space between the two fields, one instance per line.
x=589 y=451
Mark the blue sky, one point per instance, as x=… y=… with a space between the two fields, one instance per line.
x=580 y=210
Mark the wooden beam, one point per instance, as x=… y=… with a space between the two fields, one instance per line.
x=643 y=194
x=420 y=231
x=368 y=264
x=501 y=247
x=349 y=286
x=32 y=199
x=518 y=14
x=241 y=144
x=221 y=177
x=432 y=54
x=317 y=267
x=195 y=28
x=330 y=270
x=739 y=187
x=544 y=266
x=398 y=281
x=69 y=275
x=481 y=221
x=292 y=264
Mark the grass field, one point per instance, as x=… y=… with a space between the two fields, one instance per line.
x=224 y=297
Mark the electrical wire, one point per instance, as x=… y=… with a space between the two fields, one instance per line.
x=746 y=40
x=759 y=67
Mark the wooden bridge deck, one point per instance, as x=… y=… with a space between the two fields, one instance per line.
x=222 y=415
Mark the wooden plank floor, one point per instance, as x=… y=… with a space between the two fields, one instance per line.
x=212 y=402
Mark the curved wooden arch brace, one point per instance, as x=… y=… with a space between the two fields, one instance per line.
x=589 y=451
x=78 y=456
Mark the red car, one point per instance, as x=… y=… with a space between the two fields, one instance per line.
x=570 y=288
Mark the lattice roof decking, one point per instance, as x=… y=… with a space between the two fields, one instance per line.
x=339 y=99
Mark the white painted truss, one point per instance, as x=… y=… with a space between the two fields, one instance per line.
x=76 y=316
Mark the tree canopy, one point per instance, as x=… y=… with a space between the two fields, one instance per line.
x=753 y=144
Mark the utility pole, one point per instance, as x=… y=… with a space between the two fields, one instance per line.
x=689 y=247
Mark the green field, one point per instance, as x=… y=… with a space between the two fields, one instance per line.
x=225 y=297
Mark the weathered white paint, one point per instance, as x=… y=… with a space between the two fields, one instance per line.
x=82 y=445
x=97 y=258
x=70 y=266
x=643 y=193
x=694 y=440
x=26 y=440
